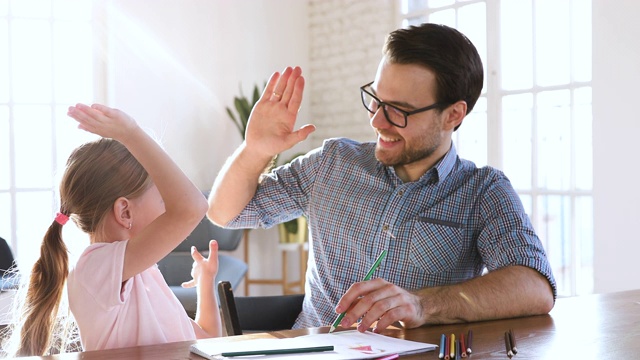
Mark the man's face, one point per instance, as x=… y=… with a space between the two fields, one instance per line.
x=427 y=137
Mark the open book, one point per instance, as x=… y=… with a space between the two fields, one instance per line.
x=346 y=345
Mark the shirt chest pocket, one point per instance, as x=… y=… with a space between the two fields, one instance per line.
x=436 y=245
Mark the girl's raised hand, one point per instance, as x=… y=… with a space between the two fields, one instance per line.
x=102 y=120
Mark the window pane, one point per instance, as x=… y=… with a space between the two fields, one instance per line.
x=76 y=10
x=517 y=139
x=73 y=74
x=554 y=229
x=440 y=3
x=583 y=138
x=446 y=17
x=581 y=40
x=554 y=140
x=471 y=140
x=31 y=60
x=33 y=218
x=31 y=8
x=516 y=45
x=5 y=173
x=408 y=6
x=472 y=22
x=33 y=146
x=553 y=43
x=584 y=235
x=4 y=61
x=68 y=137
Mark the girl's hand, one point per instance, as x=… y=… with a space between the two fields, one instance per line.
x=102 y=120
x=203 y=268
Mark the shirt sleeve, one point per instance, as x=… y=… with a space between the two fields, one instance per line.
x=99 y=273
x=508 y=237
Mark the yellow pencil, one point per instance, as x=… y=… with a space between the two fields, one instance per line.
x=452 y=346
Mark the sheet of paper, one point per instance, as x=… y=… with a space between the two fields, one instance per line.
x=347 y=345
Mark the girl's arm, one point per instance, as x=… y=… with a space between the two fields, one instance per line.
x=184 y=205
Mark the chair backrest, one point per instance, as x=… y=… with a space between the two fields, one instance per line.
x=257 y=313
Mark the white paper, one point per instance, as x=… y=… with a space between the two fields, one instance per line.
x=347 y=345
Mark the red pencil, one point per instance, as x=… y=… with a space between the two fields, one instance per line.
x=446 y=348
x=463 y=346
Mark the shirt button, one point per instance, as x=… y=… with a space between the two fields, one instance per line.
x=401 y=192
x=385 y=227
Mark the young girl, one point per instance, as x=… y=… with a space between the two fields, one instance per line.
x=136 y=205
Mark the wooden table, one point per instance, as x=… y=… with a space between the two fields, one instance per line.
x=605 y=326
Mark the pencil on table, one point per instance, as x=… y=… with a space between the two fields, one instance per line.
x=452 y=346
x=458 y=349
x=463 y=346
x=446 y=348
x=507 y=344
x=443 y=342
x=512 y=337
x=469 y=339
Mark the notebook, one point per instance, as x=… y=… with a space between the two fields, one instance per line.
x=350 y=344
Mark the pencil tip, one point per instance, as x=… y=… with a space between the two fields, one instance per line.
x=331 y=329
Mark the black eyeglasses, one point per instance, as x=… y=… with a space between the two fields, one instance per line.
x=394 y=115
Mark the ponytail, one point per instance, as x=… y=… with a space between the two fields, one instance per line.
x=39 y=314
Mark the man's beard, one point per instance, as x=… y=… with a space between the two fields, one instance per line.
x=410 y=155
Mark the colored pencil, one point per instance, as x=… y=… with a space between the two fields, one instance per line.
x=463 y=346
x=512 y=337
x=507 y=344
x=469 y=340
x=443 y=342
x=446 y=348
x=367 y=277
x=452 y=346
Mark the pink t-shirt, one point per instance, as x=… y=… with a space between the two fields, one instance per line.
x=110 y=314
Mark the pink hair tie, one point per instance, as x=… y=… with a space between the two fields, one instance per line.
x=61 y=218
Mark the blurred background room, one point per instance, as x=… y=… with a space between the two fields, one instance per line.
x=556 y=113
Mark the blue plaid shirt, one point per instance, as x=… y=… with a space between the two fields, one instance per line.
x=443 y=229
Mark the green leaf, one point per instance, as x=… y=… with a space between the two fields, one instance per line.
x=243 y=108
x=291 y=226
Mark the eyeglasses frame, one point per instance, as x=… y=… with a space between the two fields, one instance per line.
x=383 y=105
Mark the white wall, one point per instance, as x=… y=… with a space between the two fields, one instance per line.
x=616 y=125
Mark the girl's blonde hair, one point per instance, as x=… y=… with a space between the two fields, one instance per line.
x=96 y=174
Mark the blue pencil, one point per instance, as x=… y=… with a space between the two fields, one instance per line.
x=443 y=341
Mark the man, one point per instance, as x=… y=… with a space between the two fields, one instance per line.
x=442 y=220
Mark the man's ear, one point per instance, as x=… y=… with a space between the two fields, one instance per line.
x=455 y=114
x=122 y=212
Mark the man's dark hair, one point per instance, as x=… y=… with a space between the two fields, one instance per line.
x=446 y=52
